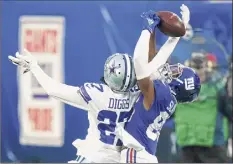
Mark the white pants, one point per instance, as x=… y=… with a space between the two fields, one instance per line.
x=97 y=152
x=130 y=155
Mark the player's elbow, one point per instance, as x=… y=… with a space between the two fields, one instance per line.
x=50 y=91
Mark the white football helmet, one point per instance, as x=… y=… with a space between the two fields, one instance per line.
x=119 y=72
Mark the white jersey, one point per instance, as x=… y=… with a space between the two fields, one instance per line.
x=106 y=111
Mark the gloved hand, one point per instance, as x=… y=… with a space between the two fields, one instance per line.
x=151 y=20
x=25 y=60
x=185 y=14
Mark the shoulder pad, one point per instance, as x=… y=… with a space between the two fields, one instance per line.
x=91 y=91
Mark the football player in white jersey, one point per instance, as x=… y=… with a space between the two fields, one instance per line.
x=118 y=97
x=108 y=105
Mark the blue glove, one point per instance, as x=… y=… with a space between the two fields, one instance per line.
x=150 y=20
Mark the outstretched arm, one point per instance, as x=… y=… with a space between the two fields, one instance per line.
x=162 y=56
x=65 y=93
x=143 y=69
x=152 y=47
x=169 y=46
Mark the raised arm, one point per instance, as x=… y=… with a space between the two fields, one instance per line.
x=142 y=68
x=65 y=93
x=141 y=57
x=162 y=56
x=168 y=47
x=152 y=47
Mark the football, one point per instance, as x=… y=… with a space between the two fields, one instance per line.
x=171 y=24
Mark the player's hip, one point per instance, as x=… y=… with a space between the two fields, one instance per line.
x=130 y=155
x=97 y=152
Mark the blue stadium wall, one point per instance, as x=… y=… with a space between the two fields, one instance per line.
x=87 y=37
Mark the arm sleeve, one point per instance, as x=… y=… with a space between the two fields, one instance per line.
x=141 y=55
x=65 y=93
x=142 y=68
x=163 y=55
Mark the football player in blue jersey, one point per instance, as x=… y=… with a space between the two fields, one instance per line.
x=158 y=99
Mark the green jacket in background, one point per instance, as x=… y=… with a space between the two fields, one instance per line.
x=197 y=123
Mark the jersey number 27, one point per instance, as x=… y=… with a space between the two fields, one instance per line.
x=107 y=126
x=108 y=121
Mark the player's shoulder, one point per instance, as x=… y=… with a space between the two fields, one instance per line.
x=95 y=88
x=164 y=96
x=160 y=84
x=162 y=90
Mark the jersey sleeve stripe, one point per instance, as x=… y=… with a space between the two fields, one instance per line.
x=84 y=94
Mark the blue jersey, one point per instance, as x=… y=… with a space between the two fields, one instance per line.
x=144 y=125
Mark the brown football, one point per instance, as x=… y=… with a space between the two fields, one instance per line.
x=171 y=24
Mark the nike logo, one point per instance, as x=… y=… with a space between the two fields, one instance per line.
x=150 y=21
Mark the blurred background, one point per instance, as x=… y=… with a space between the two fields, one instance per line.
x=72 y=39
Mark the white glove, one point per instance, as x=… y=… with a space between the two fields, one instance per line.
x=25 y=60
x=185 y=14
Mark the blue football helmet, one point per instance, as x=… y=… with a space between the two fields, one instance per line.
x=184 y=82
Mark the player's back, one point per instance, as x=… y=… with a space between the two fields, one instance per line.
x=145 y=125
x=108 y=109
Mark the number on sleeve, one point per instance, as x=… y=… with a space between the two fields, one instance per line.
x=84 y=92
x=99 y=87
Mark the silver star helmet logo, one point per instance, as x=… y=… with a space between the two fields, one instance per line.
x=112 y=68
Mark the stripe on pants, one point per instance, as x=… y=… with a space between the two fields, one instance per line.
x=131 y=155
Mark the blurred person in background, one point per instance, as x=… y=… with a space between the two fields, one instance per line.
x=225 y=105
x=201 y=127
